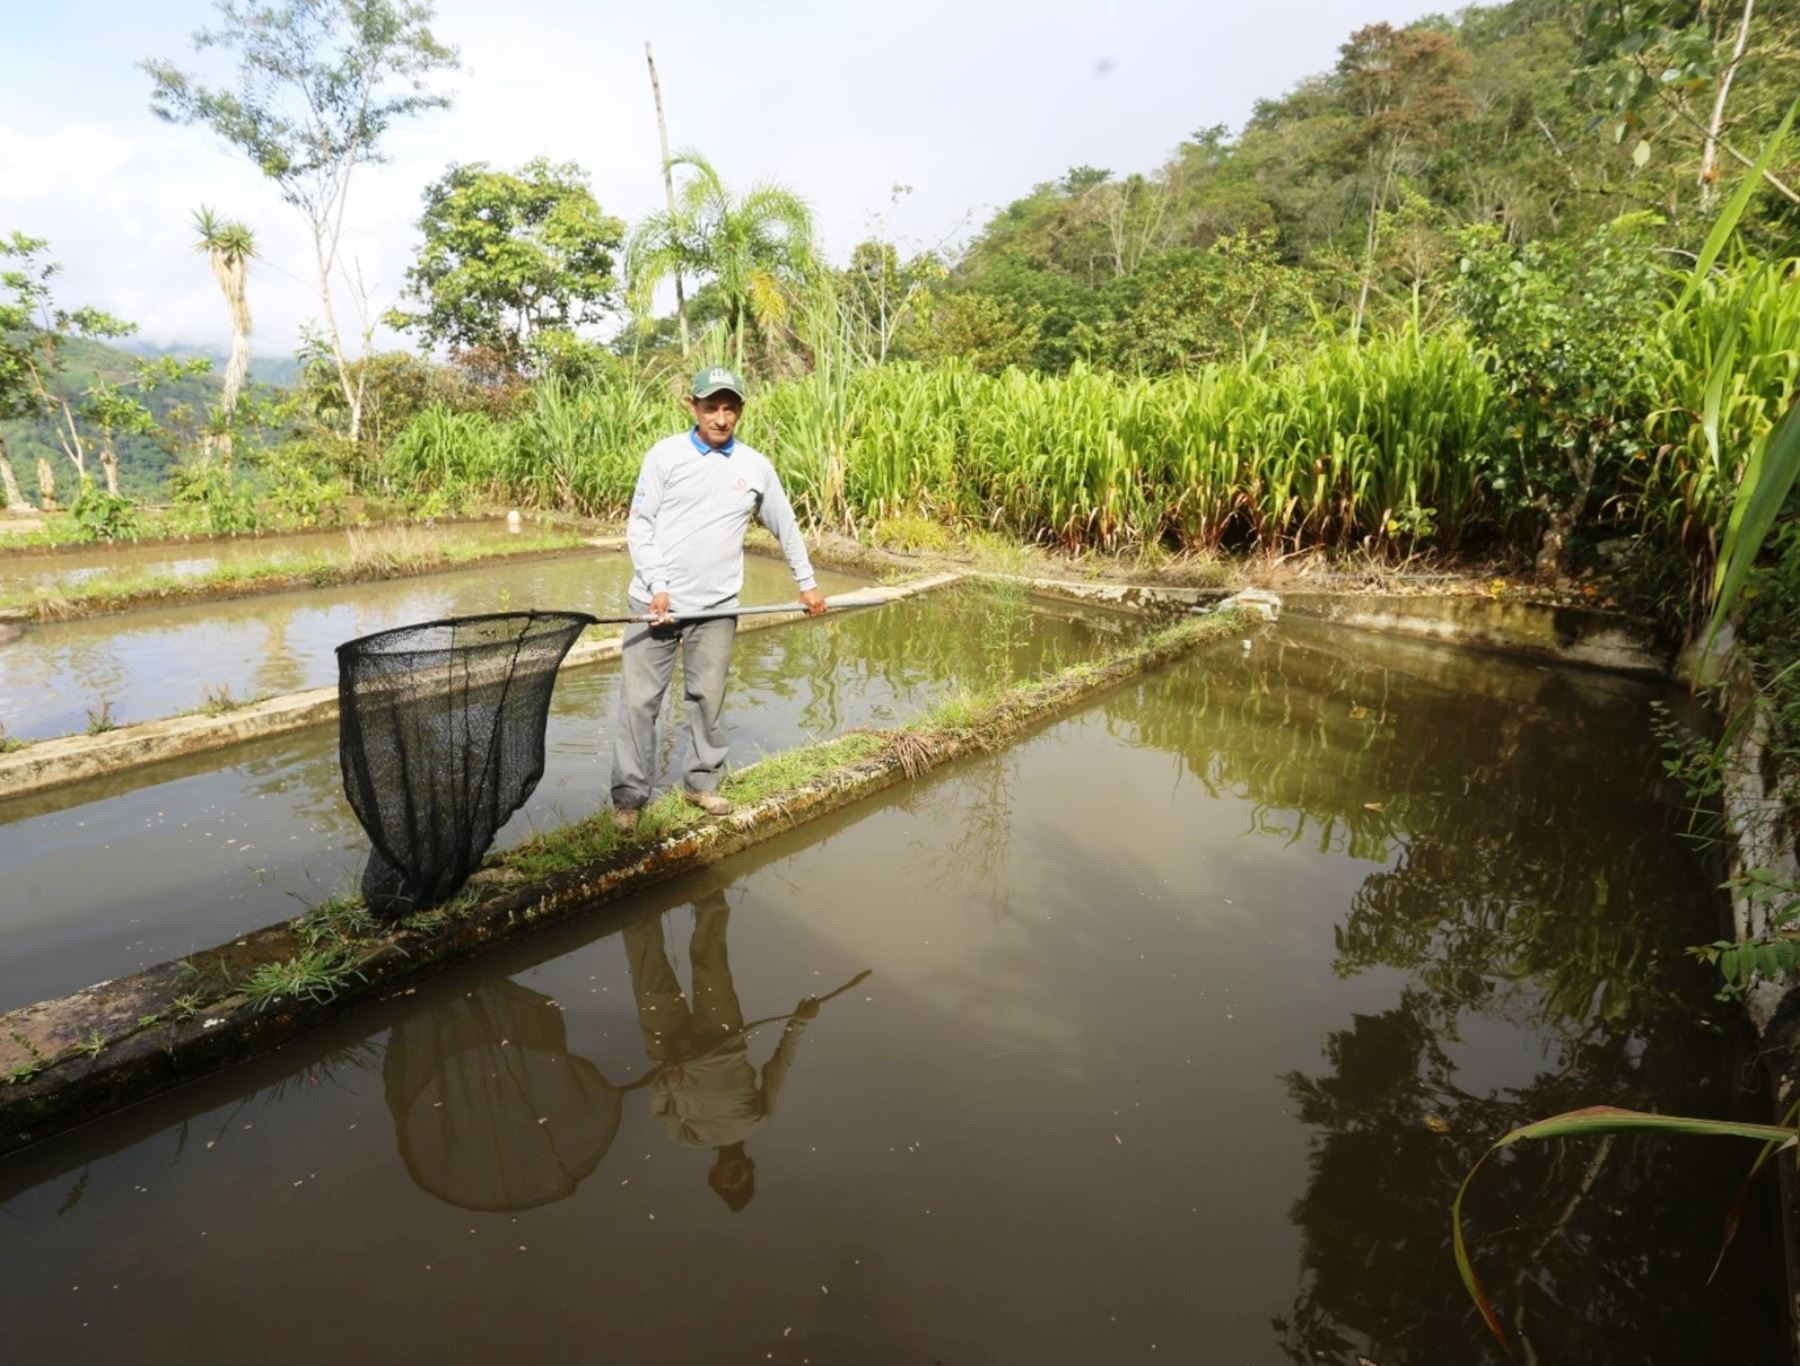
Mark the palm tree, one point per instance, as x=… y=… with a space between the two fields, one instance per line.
x=750 y=246
x=229 y=247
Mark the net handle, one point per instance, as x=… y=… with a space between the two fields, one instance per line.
x=713 y=613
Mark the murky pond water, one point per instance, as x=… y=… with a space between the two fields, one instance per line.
x=22 y=572
x=1184 y=1019
x=107 y=877
x=161 y=661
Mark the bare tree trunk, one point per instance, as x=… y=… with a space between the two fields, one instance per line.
x=46 y=485
x=15 y=496
x=1709 y=152
x=71 y=444
x=1368 y=272
x=1551 y=565
x=109 y=463
x=662 y=130
x=236 y=368
x=352 y=392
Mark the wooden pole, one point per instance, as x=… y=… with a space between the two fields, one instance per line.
x=662 y=130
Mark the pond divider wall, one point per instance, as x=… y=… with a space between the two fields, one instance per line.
x=82 y=608
x=1587 y=637
x=1759 y=803
x=81 y=1056
x=76 y=758
x=1584 y=636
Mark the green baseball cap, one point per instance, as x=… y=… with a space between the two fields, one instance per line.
x=716 y=379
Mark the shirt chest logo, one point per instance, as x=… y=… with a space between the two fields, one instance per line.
x=742 y=485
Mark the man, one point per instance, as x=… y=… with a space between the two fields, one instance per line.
x=695 y=495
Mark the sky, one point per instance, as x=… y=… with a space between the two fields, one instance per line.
x=968 y=102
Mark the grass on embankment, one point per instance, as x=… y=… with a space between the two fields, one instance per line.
x=381 y=554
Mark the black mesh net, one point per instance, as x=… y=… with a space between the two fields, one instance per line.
x=441 y=739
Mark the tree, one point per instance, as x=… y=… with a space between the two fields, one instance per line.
x=1401 y=85
x=1670 y=70
x=32 y=331
x=1188 y=308
x=509 y=255
x=755 y=248
x=1568 y=327
x=115 y=411
x=319 y=83
x=978 y=328
x=882 y=293
x=229 y=247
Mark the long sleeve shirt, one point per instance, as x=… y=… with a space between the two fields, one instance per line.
x=688 y=517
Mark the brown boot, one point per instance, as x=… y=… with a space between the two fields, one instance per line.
x=625 y=819
x=709 y=802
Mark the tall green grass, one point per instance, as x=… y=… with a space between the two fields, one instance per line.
x=1386 y=441
x=1731 y=366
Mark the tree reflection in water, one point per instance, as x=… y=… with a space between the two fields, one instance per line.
x=1537 y=902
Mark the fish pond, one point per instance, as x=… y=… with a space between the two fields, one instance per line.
x=1164 y=1035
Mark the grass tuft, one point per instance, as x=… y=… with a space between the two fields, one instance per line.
x=316 y=975
x=337 y=920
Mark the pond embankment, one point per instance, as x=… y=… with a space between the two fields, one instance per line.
x=108 y=589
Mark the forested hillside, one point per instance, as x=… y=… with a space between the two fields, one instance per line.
x=1348 y=195
x=178 y=403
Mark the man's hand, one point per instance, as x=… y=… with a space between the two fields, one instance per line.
x=814 y=602
x=807 y=1009
x=659 y=609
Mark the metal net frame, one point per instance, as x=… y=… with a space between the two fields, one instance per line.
x=441 y=738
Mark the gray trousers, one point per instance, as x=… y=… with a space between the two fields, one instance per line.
x=647 y=661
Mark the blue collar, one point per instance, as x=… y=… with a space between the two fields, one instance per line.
x=704 y=449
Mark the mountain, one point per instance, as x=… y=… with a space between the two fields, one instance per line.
x=277 y=372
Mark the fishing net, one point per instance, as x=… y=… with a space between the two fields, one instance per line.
x=491 y=1110
x=441 y=738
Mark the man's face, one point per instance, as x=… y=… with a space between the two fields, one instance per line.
x=717 y=416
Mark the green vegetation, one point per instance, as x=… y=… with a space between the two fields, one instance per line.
x=503 y=309
x=1602 y=1119
x=317 y=88
x=313 y=976
x=753 y=248
x=217 y=700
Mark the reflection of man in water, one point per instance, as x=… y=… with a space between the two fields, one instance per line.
x=706 y=1090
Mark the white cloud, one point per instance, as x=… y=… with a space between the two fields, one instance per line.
x=35 y=166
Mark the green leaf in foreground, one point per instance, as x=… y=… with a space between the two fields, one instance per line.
x=1767 y=480
x=1594 y=1119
